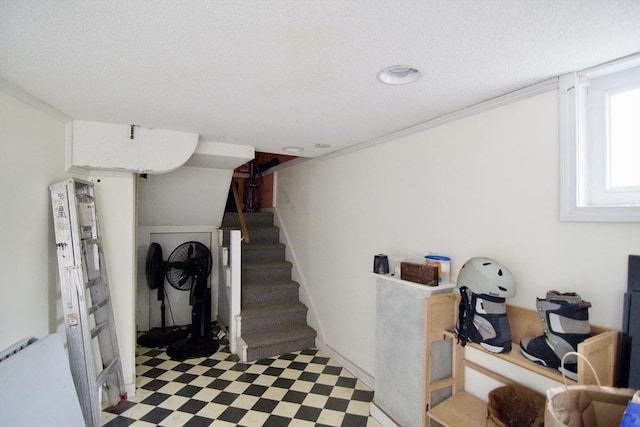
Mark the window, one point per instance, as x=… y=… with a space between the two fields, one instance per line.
x=600 y=143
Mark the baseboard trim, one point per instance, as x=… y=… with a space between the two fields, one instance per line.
x=381 y=416
x=305 y=297
x=357 y=371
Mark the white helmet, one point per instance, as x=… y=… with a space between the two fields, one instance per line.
x=486 y=276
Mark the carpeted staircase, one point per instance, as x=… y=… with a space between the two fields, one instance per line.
x=274 y=321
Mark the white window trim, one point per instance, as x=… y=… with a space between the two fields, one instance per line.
x=569 y=126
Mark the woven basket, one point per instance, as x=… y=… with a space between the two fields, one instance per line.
x=516 y=406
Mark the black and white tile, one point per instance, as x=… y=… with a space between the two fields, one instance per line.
x=305 y=388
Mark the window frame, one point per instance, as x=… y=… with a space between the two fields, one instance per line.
x=572 y=156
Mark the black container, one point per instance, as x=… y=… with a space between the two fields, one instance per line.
x=381 y=264
x=630 y=360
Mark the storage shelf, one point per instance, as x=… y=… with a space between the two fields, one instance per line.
x=461 y=409
x=516 y=357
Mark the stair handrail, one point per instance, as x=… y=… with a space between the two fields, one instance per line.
x=243 y=223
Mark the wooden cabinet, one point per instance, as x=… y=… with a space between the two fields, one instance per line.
x=457 y=407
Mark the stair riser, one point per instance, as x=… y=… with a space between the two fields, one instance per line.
x=273 y=324
x=261 y=219
x=257 y=235
x=266 y=275
x=261 y=299
x=257 y=353
x=262 y=255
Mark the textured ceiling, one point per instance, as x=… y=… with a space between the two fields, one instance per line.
x=279 y=73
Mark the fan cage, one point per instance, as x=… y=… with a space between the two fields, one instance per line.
x=187 y=263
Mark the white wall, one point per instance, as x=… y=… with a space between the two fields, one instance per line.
x=32 y=157
x=187 y=196
x=32 y=153
x=485 y=185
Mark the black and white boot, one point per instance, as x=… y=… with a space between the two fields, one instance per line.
x=483 y=320
x=565 y=324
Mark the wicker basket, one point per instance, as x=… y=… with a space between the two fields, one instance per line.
x=516 y=406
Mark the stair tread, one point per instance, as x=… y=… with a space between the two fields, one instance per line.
x=263 y=264
x=248 y=216
x=260 y=213
x=250 y=249
x=264 y=294
x=262 y=245
x=256 y=312
x=270 y=286
x=288 y=334
x=249 y=226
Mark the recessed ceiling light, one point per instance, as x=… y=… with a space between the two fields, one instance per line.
x=399 y=75
x=293 y=149
x=323 y=145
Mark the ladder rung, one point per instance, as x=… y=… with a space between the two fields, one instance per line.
x=90 y=241
x=92 y=282
x=95 y=331
x=85 y=195
x=97 y=306
x=102 y=378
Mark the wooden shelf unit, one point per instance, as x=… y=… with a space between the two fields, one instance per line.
x=462 y=408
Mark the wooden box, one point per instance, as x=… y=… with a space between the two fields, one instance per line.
x=419 y=273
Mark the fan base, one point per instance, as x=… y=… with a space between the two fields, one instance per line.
x=162 y=338
x=193 y=347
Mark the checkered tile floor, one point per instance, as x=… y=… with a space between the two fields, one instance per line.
x=306 y=388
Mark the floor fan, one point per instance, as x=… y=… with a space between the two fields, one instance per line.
x=188 y=267
x=155 y=268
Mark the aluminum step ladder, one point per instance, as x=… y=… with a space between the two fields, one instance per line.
x=86 y=300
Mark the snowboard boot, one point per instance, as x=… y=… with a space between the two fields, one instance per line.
x=483 y=320
x=565 y=323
